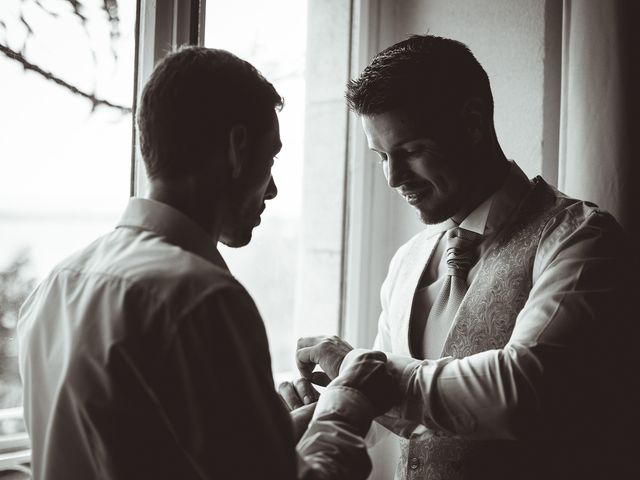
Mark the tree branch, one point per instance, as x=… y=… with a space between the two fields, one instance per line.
x=27 y=65
x=77 y=7
x=111 y=9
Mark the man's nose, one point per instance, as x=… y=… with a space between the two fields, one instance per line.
x=272 y=190
x=395 y=172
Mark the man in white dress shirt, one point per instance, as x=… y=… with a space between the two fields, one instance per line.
x=142 y=357
x=505 y=321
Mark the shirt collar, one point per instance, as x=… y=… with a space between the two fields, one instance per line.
x=494 y=211
x=506 y=199
x=476 y=221
x=175 y=226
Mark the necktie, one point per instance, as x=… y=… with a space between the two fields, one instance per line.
x=460 y=256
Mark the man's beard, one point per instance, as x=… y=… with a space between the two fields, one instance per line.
x=239 y=229
x=433 y=217
x=236 y=237
x=443 y=210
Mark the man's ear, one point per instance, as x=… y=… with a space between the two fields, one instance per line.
x=474 y=117
x=238 y=145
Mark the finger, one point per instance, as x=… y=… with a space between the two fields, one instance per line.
x=288 y=393
x=300 y=419
x=344 y=342
x=320 y=378
x=306 y=411
x=305 y=390
x=306 y=360
x=309 y=341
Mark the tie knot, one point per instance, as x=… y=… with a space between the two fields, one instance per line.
x=461 y=252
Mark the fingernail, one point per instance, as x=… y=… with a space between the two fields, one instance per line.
x=306 y=399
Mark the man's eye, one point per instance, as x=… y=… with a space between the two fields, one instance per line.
x=414 y=151
x=381 y=157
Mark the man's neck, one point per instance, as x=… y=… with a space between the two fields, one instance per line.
x=186 y=197
x=495 y=168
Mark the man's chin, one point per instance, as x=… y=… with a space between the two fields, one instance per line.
x=434 y=214
x=237 y=239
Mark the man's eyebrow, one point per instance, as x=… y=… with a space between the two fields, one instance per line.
x=406 y=140
x=400 y=143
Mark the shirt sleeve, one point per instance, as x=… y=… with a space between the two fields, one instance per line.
x=229 y=419
x=561 y=357
x=384 y=424
x=217 y=393
x=333 y=445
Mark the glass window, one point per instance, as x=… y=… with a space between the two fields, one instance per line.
x=65 y=159
x=273 y=39
x=293 y=266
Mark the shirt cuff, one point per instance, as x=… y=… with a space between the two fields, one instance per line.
x=348 y=404
x=400 y=367
x=403 y=368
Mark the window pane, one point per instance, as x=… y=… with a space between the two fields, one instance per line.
x=267 y=267
x=65 y=164
x=293 y=265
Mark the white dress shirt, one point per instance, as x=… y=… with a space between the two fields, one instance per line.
x=142 y=357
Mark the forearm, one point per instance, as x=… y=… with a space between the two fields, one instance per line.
x=488 y=395
x=493 y=394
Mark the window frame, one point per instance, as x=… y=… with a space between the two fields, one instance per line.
x=367 y=242
x=161 y=27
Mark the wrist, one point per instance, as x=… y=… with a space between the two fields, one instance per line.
x=346 y=404
x=351 y=357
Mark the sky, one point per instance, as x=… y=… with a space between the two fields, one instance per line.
x=57 y=156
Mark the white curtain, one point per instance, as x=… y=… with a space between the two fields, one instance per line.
x=598 y=141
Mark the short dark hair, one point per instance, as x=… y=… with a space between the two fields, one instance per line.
x=421 y=71
x=190 y=103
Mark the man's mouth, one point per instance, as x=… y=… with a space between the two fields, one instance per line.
x=259 y=214
x=415 y=197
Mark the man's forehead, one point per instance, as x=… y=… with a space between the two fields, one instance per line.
x=391 y=128
x=271 y=138
x=275 y=139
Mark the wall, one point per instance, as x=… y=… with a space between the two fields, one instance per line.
x=600 y=72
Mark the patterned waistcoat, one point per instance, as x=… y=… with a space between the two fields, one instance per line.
x=484 y=321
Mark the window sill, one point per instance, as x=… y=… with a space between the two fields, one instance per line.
x=15 y=449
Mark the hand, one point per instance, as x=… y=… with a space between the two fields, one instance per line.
x=300 y=419
x=369 y=375
x=298 y=393
x=328 y=352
